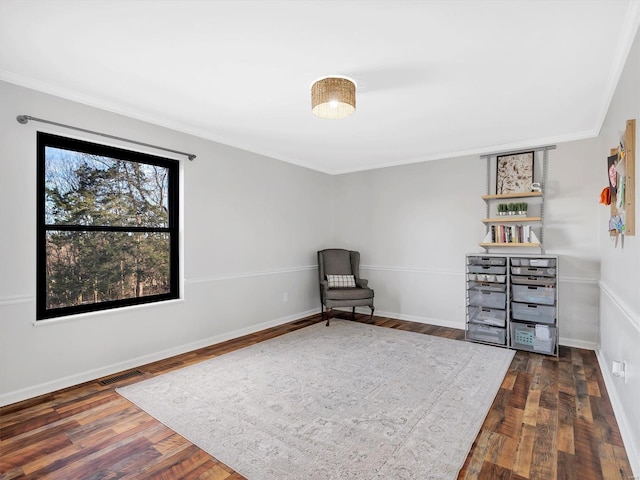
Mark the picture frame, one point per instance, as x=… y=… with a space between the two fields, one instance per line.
x=514 y=173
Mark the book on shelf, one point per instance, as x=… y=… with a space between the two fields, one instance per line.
x=500 y=233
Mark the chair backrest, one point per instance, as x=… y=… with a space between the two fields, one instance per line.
x=337 y=261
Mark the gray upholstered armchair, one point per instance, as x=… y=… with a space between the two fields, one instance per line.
x=340 y=282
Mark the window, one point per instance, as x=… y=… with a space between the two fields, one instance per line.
x=107 y=227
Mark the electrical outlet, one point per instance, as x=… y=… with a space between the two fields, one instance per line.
x=285 y=297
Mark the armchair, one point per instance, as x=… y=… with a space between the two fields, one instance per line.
x=340 y=282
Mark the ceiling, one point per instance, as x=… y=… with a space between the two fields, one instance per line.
x=436 y=79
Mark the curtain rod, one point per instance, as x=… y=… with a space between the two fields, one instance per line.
x=23 y=119
x=537 y=149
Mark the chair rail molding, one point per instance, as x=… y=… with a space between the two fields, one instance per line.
x=258 y=273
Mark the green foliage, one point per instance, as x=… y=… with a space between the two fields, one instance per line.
x=95 y=265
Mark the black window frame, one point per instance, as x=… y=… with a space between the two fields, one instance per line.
x=45 y=140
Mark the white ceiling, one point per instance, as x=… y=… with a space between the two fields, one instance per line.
x=436 y=79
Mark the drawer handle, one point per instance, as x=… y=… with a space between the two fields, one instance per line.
x=532 y=306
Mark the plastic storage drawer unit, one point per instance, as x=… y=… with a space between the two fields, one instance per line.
x=487 y=316
x=534 y=294
x=528 y=337
x=486 y=298
x=485 y=333
x=533 y=313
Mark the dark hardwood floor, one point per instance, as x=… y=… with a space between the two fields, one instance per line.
x=552 y=418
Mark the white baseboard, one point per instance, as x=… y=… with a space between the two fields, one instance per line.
x=90 y=375
x=633 y=450
x=570 y=342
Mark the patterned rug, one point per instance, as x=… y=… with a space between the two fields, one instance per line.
x=349 y=401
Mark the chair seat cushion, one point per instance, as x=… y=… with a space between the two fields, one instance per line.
x=348 y=293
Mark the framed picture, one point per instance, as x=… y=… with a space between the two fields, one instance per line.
x=514 y=173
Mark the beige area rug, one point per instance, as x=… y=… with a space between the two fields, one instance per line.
x=349 y=401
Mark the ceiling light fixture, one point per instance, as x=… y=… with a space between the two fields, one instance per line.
x=333 y=97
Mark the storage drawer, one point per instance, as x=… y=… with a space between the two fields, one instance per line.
x=487 y=269
x=486 y=277
x=492 y=287
x=544 y=281
x=534 y=271
x=487 y=260
x=533 y=313
x=485 y=333
x=487 y=298
x=534 y=294
x=542 y=262
x=533 y=262
x=534 y=338
x=487 y=316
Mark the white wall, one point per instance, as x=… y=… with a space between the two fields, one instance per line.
x=413 y=225
x=252 y=226
x=619 y=333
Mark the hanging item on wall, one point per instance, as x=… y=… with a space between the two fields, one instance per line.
x=605 y=196
x=616 y=228
x=613 y=174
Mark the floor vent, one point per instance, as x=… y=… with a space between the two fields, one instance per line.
x=121 y=377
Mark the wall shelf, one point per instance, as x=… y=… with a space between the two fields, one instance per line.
x=513 y=219
x=527 y=231
x=504 y=196
x=510 y=244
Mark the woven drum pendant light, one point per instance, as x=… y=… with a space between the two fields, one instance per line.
x=333 y=97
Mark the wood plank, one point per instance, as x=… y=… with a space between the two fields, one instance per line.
x=530 y=416
x=520 y=391
x=630 y=185
x=507 y=454
x=587 y=450
x=512 y=422
x=492 y=471
x=544 y=460
x=622 y=462
x=608 y=462
x=511 y=195
x=524 y=451
x=566 y=466
x=511 y=219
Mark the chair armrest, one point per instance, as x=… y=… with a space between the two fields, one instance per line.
x=362 y=282
x=324 y=285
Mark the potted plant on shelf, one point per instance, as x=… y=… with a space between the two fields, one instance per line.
x=522 y=208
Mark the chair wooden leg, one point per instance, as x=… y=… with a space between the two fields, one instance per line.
x=353 y=313
x=328 y=317
x=372 y=309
